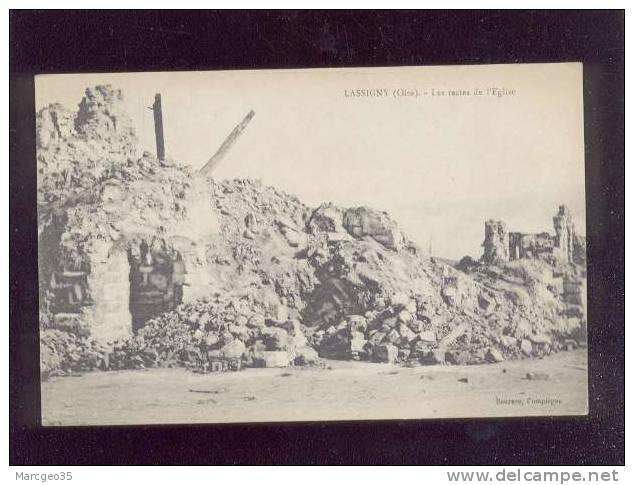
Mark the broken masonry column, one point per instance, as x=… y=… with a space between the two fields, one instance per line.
x=564 y=233
x=496 y=242
x=158 y=127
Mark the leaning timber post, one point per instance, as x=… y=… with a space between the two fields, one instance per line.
x=226 y=145
x=158 y=127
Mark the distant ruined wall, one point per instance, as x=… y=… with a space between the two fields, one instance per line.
x=564 y=233
x=565 y=244
x=496 y=242
x=523 y=245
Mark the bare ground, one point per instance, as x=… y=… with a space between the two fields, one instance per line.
x=341 y=391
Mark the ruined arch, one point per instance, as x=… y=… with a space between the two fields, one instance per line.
x=156 y=279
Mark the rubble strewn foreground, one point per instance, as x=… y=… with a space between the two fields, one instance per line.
x=145 y=263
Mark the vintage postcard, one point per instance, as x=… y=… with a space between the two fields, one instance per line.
x=318 y=244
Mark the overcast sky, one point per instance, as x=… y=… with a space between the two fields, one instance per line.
x=440 y=166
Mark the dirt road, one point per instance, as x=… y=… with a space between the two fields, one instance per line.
x=341 y=391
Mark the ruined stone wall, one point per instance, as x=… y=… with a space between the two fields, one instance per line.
x=523 y=245
x=108 y=201
x=565 y=245
x=496 y=242
x=199 y=225
x=564 y=233
x=109 y=317
x=515 y=246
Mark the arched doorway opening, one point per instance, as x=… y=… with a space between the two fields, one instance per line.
x=156 y=280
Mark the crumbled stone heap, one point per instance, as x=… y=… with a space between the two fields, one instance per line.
x=215 y=329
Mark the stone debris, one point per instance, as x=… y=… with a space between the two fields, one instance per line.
x=363 y=221
x=223 y=329
x=271 y=358
x=209 y=391
x=494 y=355
x=536 y=376
x=143 y=263
x=526 y=347
x=63 y=353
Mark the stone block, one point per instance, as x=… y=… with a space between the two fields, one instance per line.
x=306 y=355
x=406 y=334
x=278 y=358
x=385 y=353
x=393 y=336
x=526 y=347
x=494 y=355
x=508 y=341
x=357 y=344
x=233 y=350
x=458 y=357
x=428 y=336
x=540 y=339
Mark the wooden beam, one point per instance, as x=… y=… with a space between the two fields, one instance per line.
x=226 y=145
x=158 y=127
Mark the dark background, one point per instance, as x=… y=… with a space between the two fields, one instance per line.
x=80 y=41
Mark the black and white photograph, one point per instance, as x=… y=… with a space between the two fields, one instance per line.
x=311 y=245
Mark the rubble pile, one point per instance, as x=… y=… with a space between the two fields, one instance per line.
x=493 y=316
x=222 y=328
x=63 y=352
x=259 y=242
x=264 y=280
